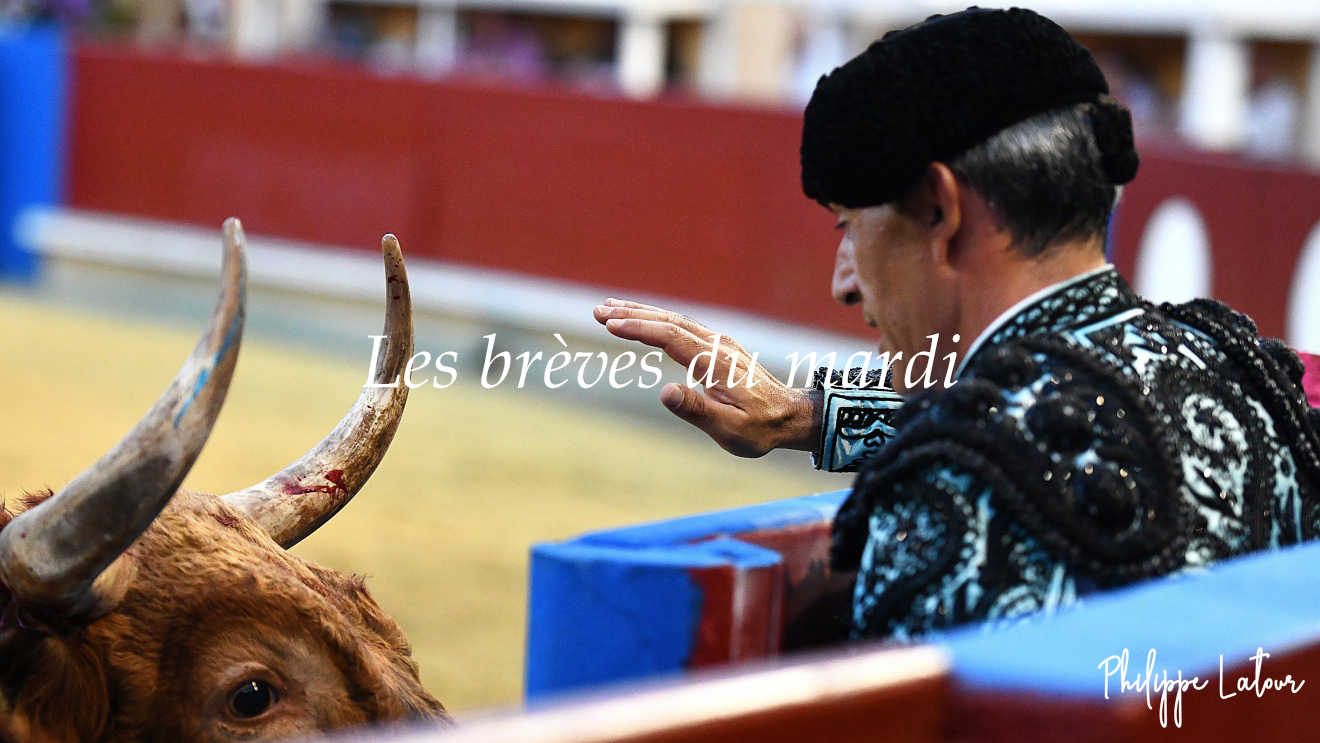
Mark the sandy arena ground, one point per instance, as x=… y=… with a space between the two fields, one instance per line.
x=474 y=476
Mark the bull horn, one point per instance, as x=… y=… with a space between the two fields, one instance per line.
x=52 y=554
x=294 y=502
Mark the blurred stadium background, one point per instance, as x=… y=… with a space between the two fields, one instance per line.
x=534 y=156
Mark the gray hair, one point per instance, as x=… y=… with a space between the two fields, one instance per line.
x=1043 y=178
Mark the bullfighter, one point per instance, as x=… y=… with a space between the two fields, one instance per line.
x=1092 y=439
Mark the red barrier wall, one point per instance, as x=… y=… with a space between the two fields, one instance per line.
x=671 y=197
x=1257 y=219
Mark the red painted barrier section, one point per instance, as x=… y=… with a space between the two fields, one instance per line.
x=740 y=617
x=670 y=197
x=817 y=600
x=798 y=604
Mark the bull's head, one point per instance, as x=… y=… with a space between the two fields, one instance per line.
x=133 y=610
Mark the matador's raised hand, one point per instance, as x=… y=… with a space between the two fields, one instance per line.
x=745 y=419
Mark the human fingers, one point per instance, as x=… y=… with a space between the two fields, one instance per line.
x=677 y=343
x=633 y=310
x=612 y=302
x=606 y=312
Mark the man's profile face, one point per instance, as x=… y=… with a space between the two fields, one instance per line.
x=885 y=265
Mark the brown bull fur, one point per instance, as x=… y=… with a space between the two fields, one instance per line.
x=212 y=603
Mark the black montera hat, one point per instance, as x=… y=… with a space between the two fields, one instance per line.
x=935 y=89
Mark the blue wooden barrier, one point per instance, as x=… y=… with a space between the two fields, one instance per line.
x=660 y=598
x=628 y=603
x=1268 y=600
x=33 y=86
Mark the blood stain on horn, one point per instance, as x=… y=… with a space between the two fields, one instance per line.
x=334 y=476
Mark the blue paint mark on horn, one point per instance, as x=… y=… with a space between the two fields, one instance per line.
x=231 y=336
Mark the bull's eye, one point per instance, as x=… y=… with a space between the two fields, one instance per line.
x=251 y=699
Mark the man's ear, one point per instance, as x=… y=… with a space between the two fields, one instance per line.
x=945 y=208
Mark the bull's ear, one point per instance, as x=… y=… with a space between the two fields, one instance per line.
x=396 y=689
x=67 y=701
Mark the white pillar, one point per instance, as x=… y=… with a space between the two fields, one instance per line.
x=1216 y=89
x=750 y=50
x=767 y=50
x=1309 y=122
x=825 y=47
x=437 y=38
x=641 y=63
x=717 y=74
x=301 y=23
x=256 y=28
